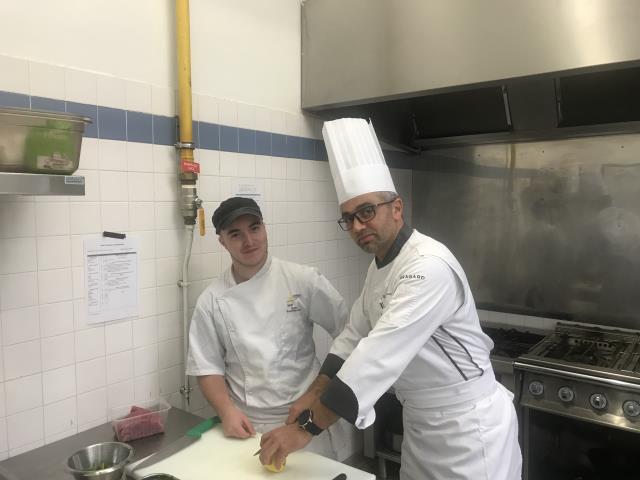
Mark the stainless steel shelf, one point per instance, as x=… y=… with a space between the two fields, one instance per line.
x=40 y=184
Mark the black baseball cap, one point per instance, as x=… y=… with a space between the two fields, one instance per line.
x=233 y=208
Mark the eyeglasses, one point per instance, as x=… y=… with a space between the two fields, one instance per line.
x=364 y=214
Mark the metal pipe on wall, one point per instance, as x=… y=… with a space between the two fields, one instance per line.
x=190 y=204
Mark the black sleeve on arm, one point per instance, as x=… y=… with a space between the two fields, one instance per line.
x=331 y=365
x=339 y=398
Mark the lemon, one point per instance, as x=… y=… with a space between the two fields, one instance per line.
x=272 y=468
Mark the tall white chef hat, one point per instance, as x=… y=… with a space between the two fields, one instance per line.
x=355 y=158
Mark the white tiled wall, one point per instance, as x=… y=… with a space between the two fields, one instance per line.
x=59 y=375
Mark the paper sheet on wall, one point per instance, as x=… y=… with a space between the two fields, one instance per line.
x=111 y=278
x=249 y=188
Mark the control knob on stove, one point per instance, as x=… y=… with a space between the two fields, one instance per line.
x=536 y=388
x=566 y=394
x=598 y=401
x=631 y=408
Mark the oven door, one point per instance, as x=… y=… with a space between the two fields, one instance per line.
x=556 y=447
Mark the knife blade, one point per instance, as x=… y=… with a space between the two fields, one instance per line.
x=192 y=435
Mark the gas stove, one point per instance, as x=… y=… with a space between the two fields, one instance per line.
x=588 y=373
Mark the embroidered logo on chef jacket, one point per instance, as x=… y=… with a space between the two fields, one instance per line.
x=410 y=276
x=383 y=301
x=292 y=305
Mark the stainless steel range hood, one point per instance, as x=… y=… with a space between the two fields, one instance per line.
x=431 y=73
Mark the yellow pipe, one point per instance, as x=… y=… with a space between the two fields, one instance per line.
x=184 y=78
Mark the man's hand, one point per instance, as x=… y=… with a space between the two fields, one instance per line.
x=236 y=424
x=277 y=444
x=303 y=403
x=311 y=396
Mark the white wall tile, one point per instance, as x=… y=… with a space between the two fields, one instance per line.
x=145 y=360
x=168 y=242
x=59 y=384
x=147 y=274
x=115 y=216
x=46 y=80
x=209 y=188
x=164 y=159
x=145 y=331
x=139 y=157
x=208 y=109
x=56 y=319
x=58 y=351
x=278 y=122
x=141 y=187
x=170 y=379
x=169 y=298
x=246 y=165
x=246 y=116
x=138 y=96
x=141 y=216
x=91 y=187
x=119 y=367
x=113 y=186
x=85 y=218
x=228 y=164
x=263 y=166
x=54 y=252
x=278 y=167
x=23 y=393
x=209 y=161
x=81 y=86
x=77 y=274
x=14 y=78
x=112 y=156
x=118 y=336
x=228 y=111
x=167 y=216
x=293 y=124
x=91 y=375
x=120 y=394
x=52 y=218
x=148 y=304
x=60 y=417
x=3 y=407
x=4 y=444
x=169 y=325
x=168 y=270
x=17 y=219
x=146 y=388
x=18 y=290
x=88 y=156
x=19 y=325
x=92 y=406
x=25 y=428
x=163 y=101
x=22 y=359
x=17 y=255
x=55 y=285
x=166 y=187
x=170 y=353
x=111 y=92
x=90 y=343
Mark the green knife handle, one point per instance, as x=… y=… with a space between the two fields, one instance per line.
x=199 y=429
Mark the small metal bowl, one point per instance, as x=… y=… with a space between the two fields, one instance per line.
x=102 y=461
x=159 y=476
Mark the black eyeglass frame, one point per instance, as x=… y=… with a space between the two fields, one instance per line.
x=346 y=222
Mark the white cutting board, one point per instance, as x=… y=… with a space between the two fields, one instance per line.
x=215 y=457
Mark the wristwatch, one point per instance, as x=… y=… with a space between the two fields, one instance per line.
x=305 y=422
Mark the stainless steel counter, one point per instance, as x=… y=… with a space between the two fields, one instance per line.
x=47 y=462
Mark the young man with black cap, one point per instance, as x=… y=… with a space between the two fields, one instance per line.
x=414 y=327
x=251 y=336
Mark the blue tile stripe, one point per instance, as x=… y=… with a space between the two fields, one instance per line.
x=118 y=124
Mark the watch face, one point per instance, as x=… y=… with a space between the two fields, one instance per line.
x=304 y=417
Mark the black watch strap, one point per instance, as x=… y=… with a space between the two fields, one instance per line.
x=305 y=422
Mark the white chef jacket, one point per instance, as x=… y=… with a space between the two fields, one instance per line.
x=259 y=335
x=415 y=327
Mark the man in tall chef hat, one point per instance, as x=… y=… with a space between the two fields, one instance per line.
x=414 y=327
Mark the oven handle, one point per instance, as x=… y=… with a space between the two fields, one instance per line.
x=577 y=376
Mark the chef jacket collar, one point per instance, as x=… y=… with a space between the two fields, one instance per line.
x=402 y=237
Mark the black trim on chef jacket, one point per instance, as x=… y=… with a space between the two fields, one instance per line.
x=339 y=398
x=453 y=362
x=402 y=237
x=331 y=365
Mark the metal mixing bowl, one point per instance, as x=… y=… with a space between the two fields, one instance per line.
x=159 y=476
x=102 y=461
